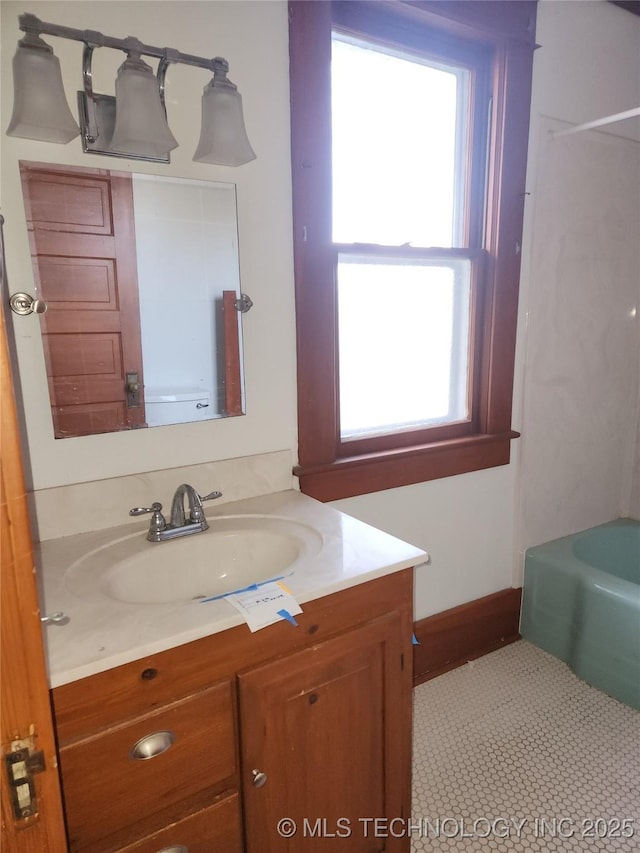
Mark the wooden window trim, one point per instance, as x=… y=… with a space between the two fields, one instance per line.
x=507 y=29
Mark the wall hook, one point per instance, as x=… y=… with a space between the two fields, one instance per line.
x=58 y=618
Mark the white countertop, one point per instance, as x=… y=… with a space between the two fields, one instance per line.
x=103 y=633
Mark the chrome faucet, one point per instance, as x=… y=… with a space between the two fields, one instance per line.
x=179 y=524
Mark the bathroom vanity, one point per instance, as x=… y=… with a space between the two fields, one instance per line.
x=180 y=731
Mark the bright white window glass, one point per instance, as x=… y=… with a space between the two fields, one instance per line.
x=404 y=344
x=399 y=127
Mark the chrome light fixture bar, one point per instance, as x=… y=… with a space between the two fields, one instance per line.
x=132 y=124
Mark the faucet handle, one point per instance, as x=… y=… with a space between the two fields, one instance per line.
x=142 y=510
x=196 y=515
x=157 y=522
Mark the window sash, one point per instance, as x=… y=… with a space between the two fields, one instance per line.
x=390 y=74
x=403 y=332
x=348 y=445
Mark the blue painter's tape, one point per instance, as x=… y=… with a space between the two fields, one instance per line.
x=249 y=588
x=414 y=640
x=286 y=615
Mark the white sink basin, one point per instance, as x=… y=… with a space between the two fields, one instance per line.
x=235 y=552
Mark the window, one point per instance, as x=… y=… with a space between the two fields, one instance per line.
x=409 y=132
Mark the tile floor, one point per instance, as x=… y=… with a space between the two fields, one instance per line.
x=513 y=752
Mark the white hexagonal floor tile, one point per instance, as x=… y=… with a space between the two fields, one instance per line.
x=514 y=753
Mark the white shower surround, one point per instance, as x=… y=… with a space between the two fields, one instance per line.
x=581 y=378
x=579 y=341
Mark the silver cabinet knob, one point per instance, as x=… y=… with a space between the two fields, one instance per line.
x=175 y=848
x=152 y=745
x=258 y=778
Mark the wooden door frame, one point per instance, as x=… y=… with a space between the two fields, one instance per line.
x=25 y=710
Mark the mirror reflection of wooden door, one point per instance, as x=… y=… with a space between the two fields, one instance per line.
x=82 y=237
x=25 y=713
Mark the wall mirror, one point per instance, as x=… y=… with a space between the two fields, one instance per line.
x=140 y=275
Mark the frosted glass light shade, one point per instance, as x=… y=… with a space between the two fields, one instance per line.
x=141 y=124
x=223 y=137
x=40 y=108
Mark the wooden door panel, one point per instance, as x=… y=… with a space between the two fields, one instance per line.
x=352 y=691
x=82 y=236
x=83 y=322
x=76 y=392
x=85 y=355
x=88 y=419
x=76 y=284
x=62 y=202
x=63 y=245
x=329 y=710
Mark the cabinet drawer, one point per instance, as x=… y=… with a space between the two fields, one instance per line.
x=187 y=756
x=216 y=828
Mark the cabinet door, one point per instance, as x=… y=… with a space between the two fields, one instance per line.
x=328 y=727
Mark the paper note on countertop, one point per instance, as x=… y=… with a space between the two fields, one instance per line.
x=265 y=605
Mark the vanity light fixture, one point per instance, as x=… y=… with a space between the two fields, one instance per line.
x=133 y=124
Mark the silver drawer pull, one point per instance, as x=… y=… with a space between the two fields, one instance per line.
x=152 y=745
x=175 y=848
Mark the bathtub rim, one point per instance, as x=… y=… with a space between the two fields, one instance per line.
x=559 y=554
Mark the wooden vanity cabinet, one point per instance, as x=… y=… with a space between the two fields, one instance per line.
x=237 y=731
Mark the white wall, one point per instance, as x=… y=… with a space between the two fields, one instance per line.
x=464 y=522
x=471 y=524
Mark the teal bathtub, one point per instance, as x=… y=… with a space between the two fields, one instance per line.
x=581 y=603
